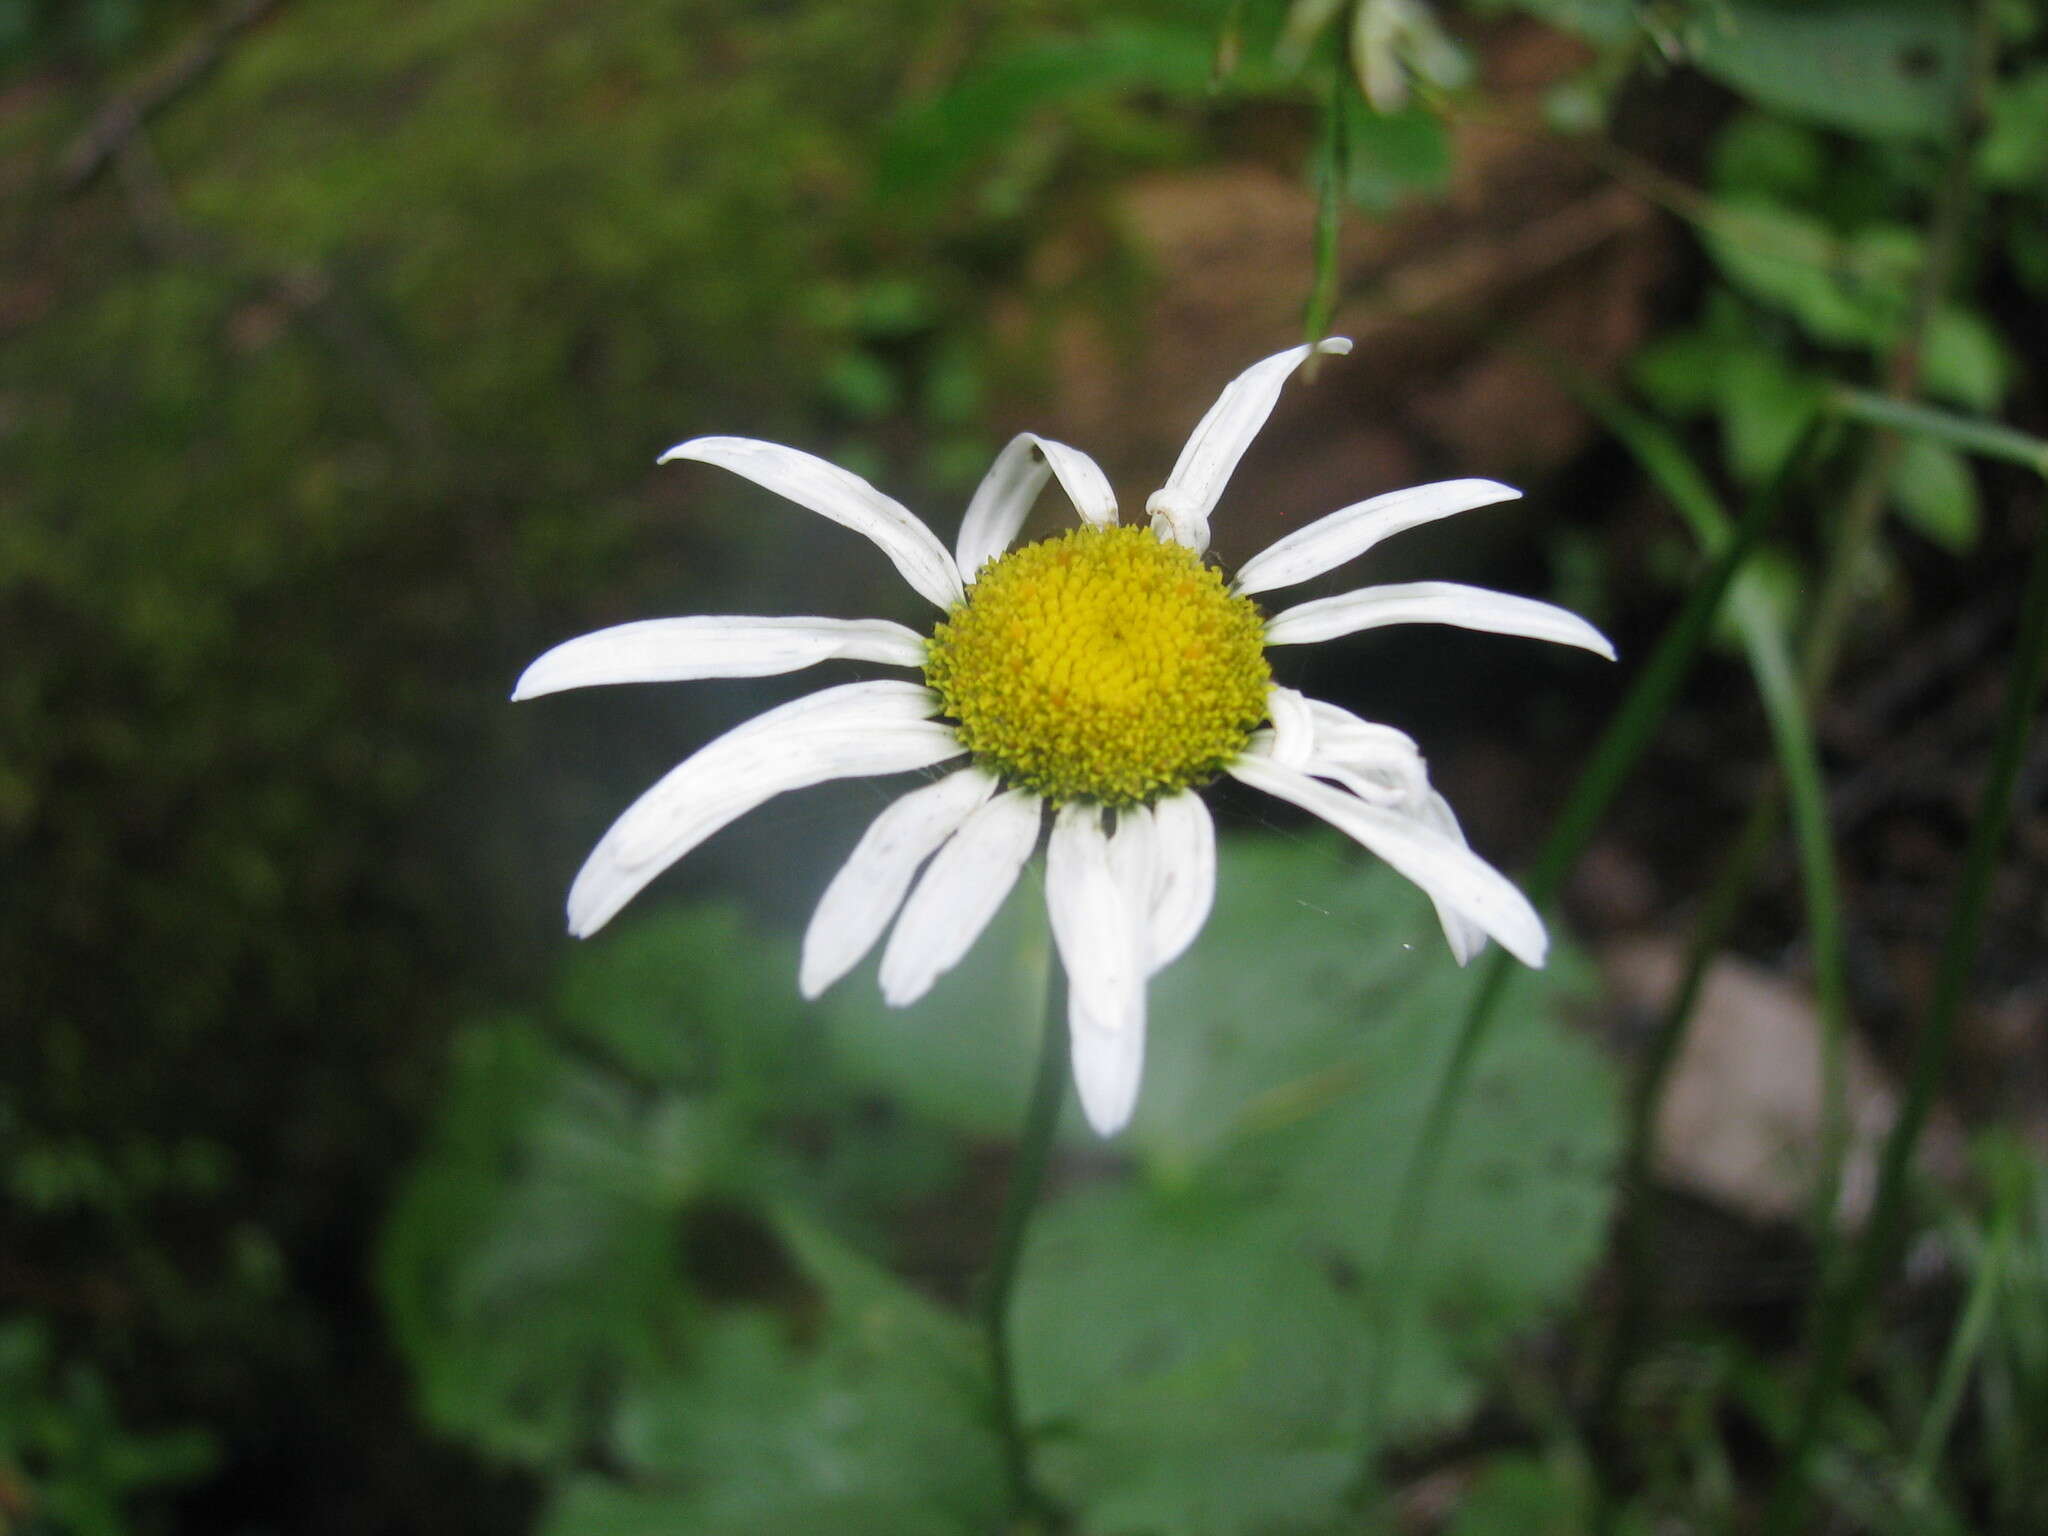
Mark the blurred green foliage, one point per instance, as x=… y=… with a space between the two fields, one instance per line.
x=614 y=1267
x=67 y=1463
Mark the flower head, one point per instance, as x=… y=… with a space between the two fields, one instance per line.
x=1106 y=673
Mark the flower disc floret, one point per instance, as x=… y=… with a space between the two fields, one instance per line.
x=1102 y=665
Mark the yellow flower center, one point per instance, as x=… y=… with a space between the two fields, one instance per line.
x=1101 y=665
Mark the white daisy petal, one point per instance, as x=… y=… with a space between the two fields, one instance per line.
x=1433 y=602
x=1102 y=947
x=1010 y=488
x=871 y=884
x=1373 y=761
x=1330 y=541
x=1465 y=937
x=1446 y=870
x=1294 y=727
x=843 y=497
x=843 y=732
x=1180 y=509
x=959 y=893
x=685 y=650
x=1183 y=876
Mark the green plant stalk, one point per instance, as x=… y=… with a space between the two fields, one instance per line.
x=1027 y=1175
x=1330 y=174
x=1957 y=1364
x=1986 y=438
x=1627 y=736
x=1840 y=1323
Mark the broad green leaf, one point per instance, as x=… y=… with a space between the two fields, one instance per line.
x=1191 y=1364
x=863 y=1413
x=1935 y=492
x=1191 y=1342
x=1883 y=68
x=534 y=1254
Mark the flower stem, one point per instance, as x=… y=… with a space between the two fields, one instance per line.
x=1027 y=1174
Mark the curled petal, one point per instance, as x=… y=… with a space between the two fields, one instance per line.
x=843 y=497
x=1180 y=509
x=1294 y=726
x=1446 y=870
x=959 y=893
x=1007 y=492
x=871 y=884
x=1433 y=602
x=1102 y=945
x=686 y=650
x=839 y=733
x=1330 y=541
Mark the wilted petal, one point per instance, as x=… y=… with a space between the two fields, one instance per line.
x=1294 y=727
x=1465 y=937
x=1433 y=602
x=1180 y=509
x=1328 y=542
x=1183 y=875
x=1102 y=945
x=686 y=650
x=1010 y=488
x=1446 y=870
x=959 y=893
x=870 y=885
x=1371 y=760
x=842 y=496
x=839 y=733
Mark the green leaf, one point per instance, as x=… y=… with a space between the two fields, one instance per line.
x=1192 y=1343
x=1882 y=68
x=532 y=1257
x=1963 y=361
x=1765 y=406
x=1935 y=492
x=1765 y=156
x=1842 y=291
x=868 y=1417
x=1391 y=156
x=936 y=142
x=2015 y=151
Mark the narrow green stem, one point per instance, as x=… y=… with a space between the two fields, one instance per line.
x=1027 y=1174
x=1840 y=1322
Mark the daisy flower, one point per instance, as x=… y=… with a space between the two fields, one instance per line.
x=1105 y=674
